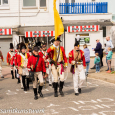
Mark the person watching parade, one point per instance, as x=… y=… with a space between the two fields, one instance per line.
x=58 y=61
x=77 y=61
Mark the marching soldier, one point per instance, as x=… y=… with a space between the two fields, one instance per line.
x=58 y=62
x=30 y=51
x=14 y=61
x=1 y=60
x=77 y=60
x=10 y=55
x=36 y=64
x=22 y=63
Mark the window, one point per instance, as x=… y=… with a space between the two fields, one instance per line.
x=3 y=2
x=42 y=3
x=84 y=39
x=72 y=1
x=27 y=3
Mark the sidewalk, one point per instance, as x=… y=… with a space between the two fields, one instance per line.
x=108 y=77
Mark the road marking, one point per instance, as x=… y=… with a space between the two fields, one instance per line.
x=103 y=112
x=73 y=108
x=52 y=105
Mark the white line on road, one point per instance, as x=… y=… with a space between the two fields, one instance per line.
x=73 y=108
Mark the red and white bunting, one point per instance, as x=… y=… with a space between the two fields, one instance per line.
x=83 y=28
x=5 y=31
x=39 y=33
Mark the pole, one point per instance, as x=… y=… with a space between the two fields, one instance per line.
x=47 y=42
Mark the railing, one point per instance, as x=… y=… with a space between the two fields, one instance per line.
x=83 y=8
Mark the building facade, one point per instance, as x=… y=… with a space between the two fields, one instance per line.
x=33 y=20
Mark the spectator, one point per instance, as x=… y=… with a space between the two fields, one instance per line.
x=109 y=57
x=108 y=44
x=98 y=50
x=87 y=57
x=97 y=62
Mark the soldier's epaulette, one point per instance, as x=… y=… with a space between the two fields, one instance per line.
x=52 y=47
x=70 y=54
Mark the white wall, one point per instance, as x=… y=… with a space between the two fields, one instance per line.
x=31 y=17
x=70 y=40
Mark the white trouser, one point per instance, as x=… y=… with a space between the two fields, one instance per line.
x=50 y=76
x=57 y=73
x=78 y=77
x=21 y=82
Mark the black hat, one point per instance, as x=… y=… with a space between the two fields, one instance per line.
x=22 y=46
x=18 y=46
x=38 y=44
x=11 y=46
x=53 y=39
x=36 y=49
x=77 y=40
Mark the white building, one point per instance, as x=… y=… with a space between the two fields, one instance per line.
x=34 y=19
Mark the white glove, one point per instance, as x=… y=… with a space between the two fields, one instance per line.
x=73 y=63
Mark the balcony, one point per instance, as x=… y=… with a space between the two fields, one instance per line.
x=83 y=8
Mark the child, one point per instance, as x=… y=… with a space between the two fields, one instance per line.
x=109 y=57
x=97 y=62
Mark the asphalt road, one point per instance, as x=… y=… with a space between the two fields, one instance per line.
x=97 y=98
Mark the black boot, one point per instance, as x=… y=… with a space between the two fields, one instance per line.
x=27 y=83
x=93 y=67
x=35 y=94
x=79 y=90
x=60 y=88
x=55 y=89
x=15 y=74
x=12 y=74
x=24 y=85
x=18 y=81
x=40 y=91
x=53 y=85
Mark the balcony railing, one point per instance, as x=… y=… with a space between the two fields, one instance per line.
x=83 y=8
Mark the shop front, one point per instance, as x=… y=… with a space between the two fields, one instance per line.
x=5 y=40
x=34 y=36
x=88 y=35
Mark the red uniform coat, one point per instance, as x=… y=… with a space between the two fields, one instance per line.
x=40 y=66
x=71 y=57
x=1 y=56
x=9 y=57
x=15 y=59
x=51 y=54
x=19 y=59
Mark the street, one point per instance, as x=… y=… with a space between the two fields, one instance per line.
x=97 y=98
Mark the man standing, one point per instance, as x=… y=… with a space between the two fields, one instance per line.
x=77 y=60
x=58 y=62
x=108 y=44
x=1 y=60
x=22 y=63
x=37 y=61
x=98 y=50
x=10 y=55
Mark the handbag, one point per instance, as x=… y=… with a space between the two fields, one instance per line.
x=20 y=71
x=31 y=73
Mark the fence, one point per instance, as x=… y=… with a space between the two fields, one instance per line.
x=83 y=8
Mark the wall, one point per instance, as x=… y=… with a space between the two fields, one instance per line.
x=70 y=40
x=29 y=17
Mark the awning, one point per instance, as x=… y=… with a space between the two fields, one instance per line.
x=5 y=32
x=87 y=28
x=39 y=33
x=86 y=22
